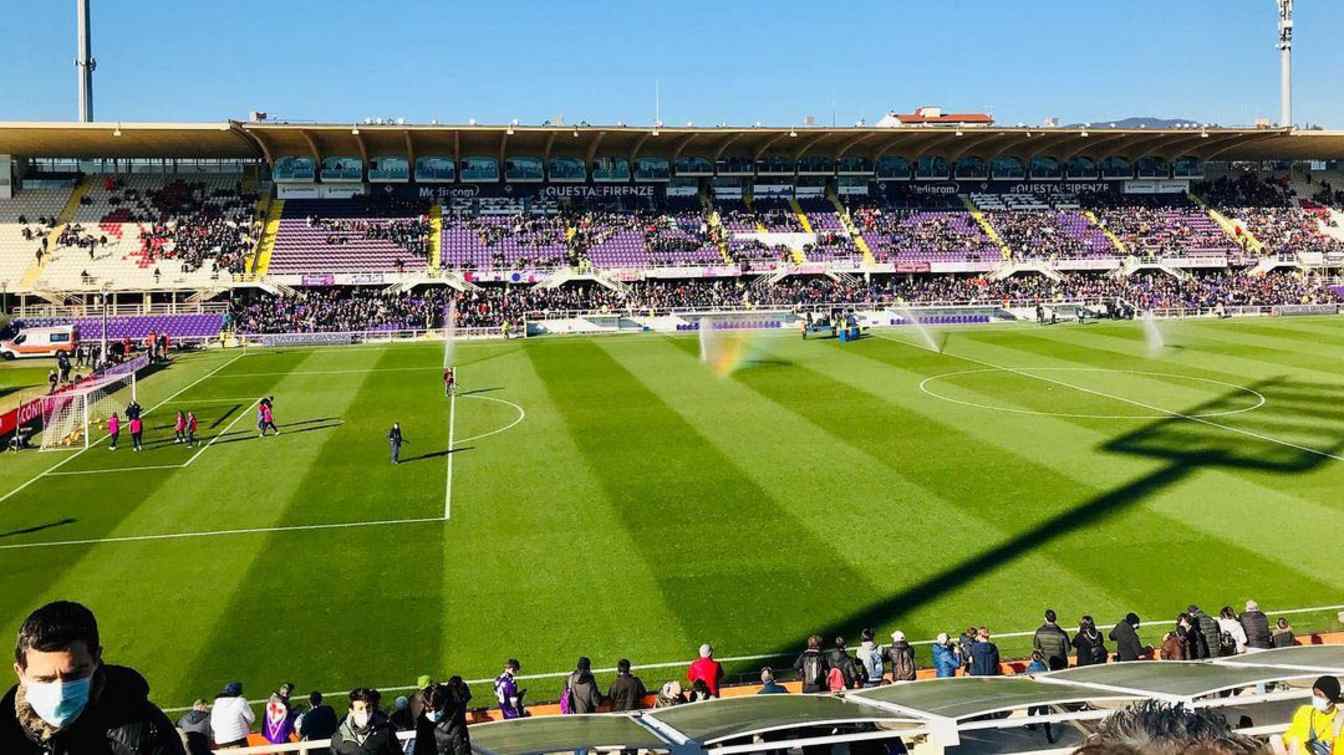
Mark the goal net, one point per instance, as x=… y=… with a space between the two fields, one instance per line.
x=72 y=417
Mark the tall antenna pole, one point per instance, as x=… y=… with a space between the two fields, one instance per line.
x=84 y=62
x=1285 y=63
x=657 y=103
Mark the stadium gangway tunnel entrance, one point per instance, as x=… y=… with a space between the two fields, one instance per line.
x=938 y=711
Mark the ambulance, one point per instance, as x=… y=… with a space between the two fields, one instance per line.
x=41 y=342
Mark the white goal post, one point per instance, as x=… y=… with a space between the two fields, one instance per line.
x=72 y=417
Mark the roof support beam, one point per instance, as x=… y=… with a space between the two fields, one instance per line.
x=676 y=153
x=546 y=152
x=803 y=150
x=757 y=155
x=1214 y=152
x=457 y=150
x=1091 y=146
x=312 y=146
x=503 y=143
x=634 y=153
x=410 y=149
x=718 y=153
x=852 y=143
x=592 y=148
x=359 y=142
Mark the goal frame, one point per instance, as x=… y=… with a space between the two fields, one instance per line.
x=52 y=404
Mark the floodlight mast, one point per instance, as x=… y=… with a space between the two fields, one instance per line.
x=84 y=62
x=1285 y=62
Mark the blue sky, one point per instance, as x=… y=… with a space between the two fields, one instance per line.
x=739 y=62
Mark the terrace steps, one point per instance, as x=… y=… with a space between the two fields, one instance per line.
x=721 y=240
x=1228 y=225
x=860 y=242
x=1115 y=240
x=266 y=246
x=986 y=226
x=436 y=236
x=53 y=239
x=802 y=216
x=263 y=209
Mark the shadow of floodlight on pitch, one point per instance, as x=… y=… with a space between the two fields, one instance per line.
x=1293 y=436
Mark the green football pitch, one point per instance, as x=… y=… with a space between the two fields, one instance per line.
x=613 y=497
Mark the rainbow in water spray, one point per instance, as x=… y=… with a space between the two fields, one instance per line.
x=724 y=351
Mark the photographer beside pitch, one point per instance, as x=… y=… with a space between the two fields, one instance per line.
x=68 y=702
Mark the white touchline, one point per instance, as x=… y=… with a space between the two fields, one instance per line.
x=1149 y=407
x=114 y=469
x=76 y=454
x=448 y=485
x=736 y=658
x=221 y=433
x=359 y=371
x=219 y=533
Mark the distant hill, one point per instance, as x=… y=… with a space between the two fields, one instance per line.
x=1148 y=122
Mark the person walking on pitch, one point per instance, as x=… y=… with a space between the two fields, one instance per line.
x=179 y=427
x=449 y=381
x=137 y=428
x=113 y=430
x=394 y=440
x=191 y=428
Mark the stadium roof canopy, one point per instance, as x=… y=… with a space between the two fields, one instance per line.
x=939 y=708
x=269 y=140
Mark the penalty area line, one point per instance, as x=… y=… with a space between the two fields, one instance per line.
x=219 y=533
x=1024 y=372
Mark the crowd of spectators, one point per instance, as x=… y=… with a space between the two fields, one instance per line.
x=188 y=222
x=517 y=241
x=1270 y=210
x=370 y=309
x=101 y=707
x=1159 y=225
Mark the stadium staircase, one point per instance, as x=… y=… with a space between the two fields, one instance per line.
x=1115 y=240
x=53 y=239
x=716 y=222
x=986 y=226
x=860 y=242
x=1229 y=226
x=436 y=237
x=802 y=216
x=262 y=259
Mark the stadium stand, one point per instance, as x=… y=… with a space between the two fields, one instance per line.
x=472 y=241
x=147 y=231
x=179 y=327
x=25 y=222
x=913 y=228
x=1161 y=225
x=1271 y=212
x=355 y=235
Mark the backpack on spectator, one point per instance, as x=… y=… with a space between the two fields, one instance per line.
x=567 y=700
x=812 y=675
x=1099 y=654
x=1227 y=644
x=835 y=680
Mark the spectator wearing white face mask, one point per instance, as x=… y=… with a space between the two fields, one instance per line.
x=366 y=729
x=442 y=726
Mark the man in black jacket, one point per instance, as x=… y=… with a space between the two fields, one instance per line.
x=1256 y=625
x=1208 y=632
x=441 y=728
x=627 y=691
x=812 y=666
x=1126 y=638
x=318 y=722
x=1052 y=642
x=67 y=702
